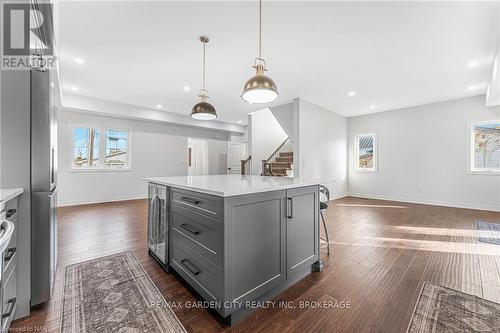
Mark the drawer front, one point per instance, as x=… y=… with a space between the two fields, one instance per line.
x=10 y=254
x=204 y=276
x=203 y=203
x=9 y=298
x=202 y=233
x=11 y=209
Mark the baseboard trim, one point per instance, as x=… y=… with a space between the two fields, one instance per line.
x=98 y=201
x=427 y=202
x=339 y=196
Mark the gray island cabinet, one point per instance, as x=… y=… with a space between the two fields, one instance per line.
x=235 y=239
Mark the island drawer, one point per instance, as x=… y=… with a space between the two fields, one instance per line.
x=10 y=208
x=201 y=232
x=10 y=253
x=204 y=276
x=203 y=203
x=9 y=298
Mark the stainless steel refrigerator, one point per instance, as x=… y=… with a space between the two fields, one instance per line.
x=43 y=186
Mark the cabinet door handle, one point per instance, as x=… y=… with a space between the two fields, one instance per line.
x=12 y=303
x=10 y=213
x=289 y=208
x=190 y=266
x=190 y=228
x=9 y=253
x=190 y=200
x=155 y=219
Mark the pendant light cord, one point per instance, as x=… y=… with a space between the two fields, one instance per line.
x=204 y=66
x=260 y=29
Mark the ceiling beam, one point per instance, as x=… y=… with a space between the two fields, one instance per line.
x=121 y=110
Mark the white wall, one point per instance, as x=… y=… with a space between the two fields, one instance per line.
x=157 y=150
x=422 y=155
x=284 y=115
x=322 y=153
x=264 y=136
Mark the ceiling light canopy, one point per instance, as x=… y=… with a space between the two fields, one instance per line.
x=204 y=110
x=260 y=88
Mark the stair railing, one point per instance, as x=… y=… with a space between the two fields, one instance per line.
x=246 y=166
x=266 y=164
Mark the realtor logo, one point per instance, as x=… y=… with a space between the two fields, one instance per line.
x=27 y=36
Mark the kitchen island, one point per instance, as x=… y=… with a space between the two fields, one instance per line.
x=235 y=239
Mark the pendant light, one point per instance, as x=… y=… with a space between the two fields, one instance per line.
x=204 y=110
x=259 y=88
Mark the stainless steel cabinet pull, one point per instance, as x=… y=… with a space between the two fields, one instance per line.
x=289 y=208
x=190 y=267
x=9 y=253
x=10 y=213
x=155 y=219
x=190 y=228
x=190 y=200
x=12 y=303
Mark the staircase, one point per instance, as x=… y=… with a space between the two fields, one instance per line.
x=280 y=163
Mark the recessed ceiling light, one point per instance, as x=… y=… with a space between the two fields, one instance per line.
x=240 y=121
x=351 y=93
x=372 y=106
x=472 y=87
x=74 y=88
x=473 y=63
x=187 y=88
x=79 y=61
x=159 y=106
x=52 y=84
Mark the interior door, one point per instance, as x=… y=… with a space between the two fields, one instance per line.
x=235 y=153
x=192 y=160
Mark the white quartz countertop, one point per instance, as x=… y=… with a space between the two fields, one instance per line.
x=231 y=185
x=9 y=193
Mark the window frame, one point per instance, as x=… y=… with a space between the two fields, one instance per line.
x=102 y=149
x=356 y=153
x=471 y=151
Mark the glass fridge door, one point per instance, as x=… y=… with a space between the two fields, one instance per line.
x=162 y=224
x=152 y=213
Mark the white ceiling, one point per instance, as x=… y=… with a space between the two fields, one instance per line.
x=393 y=54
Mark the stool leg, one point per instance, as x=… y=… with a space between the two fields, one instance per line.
x=326 y=233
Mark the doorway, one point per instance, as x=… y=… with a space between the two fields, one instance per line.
x=197 y=157
x=236 y=152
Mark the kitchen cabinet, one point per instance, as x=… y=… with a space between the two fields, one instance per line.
x=9 y=210
x=241 y=247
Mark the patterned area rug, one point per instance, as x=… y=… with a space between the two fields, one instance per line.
x=488 y=232
x=114 y=294
x=440 y=309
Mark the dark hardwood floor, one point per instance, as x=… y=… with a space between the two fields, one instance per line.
x=381 y=252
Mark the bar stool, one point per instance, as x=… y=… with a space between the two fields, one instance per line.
x=324 y=198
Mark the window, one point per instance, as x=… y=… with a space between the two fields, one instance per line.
x=85 y=147
x=365 y=152
x=485 y=147
x=91 y=153
x=116 y=148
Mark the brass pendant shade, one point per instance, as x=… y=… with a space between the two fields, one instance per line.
x=260 y=88
x=203 y=110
